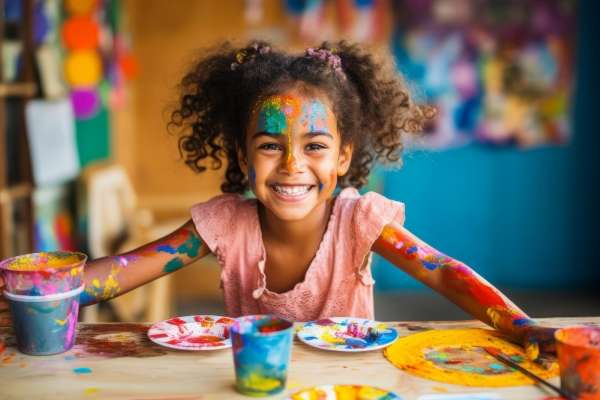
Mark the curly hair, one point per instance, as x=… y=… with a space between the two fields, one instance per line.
x=371 y=103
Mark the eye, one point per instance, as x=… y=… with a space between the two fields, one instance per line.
x=270 y=146
x=315 y=147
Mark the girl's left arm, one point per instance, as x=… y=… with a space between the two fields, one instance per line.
x=463 y=286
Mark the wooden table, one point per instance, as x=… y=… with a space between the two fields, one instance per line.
x=117 y=361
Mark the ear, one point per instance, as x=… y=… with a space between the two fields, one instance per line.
x=345 y=159
x=242 y=160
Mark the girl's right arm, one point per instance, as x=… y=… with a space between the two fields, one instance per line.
x=109 y=277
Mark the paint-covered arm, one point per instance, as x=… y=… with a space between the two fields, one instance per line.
x=461 y=285
x=109 y=277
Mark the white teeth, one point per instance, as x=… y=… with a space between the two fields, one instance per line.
x=292 y=190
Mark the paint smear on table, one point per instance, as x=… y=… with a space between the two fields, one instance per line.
x=456 y=356
x=116 y=340
x=82 y=370
x=91 y=390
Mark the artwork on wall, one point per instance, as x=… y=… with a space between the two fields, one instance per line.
x=53 y=226
x=499 y=73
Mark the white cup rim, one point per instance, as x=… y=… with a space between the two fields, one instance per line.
x=48 y=297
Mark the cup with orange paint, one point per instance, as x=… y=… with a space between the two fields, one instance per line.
x=43 y=291
x=578 y=350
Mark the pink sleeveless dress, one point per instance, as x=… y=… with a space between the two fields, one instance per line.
x=338 y=281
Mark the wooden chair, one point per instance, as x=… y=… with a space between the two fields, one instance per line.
x=115 y=224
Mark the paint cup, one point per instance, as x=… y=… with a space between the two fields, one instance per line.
x=41 y=274
x=261 y=353
x=44 y=324
x=578 y=349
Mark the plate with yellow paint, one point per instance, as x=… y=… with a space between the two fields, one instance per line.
x=193 y=332
x=457 y=356
x=347 y=334
x=334 y=392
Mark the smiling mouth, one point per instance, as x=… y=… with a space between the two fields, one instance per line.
x=292 y=190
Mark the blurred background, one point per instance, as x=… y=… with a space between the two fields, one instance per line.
x=504 y=179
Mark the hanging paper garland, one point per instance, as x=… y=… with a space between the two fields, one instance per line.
x=80 y=7
x=83 y=68
x=80 y=33
x=86 y=102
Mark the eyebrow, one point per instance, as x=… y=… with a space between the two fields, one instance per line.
x=277 y=134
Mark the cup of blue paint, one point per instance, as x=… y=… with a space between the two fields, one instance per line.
x=47 y=324
x=262 y=347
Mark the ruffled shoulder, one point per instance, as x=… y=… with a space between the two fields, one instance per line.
x=215 y=218
x=366 y=216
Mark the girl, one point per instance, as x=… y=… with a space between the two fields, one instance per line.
x=292 y=129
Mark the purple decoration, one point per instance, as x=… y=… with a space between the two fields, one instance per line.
x=41 y=23
x=86 y=102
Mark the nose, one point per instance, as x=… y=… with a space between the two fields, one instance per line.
x=290 y=163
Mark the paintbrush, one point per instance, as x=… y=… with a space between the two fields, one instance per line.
x=498 y=355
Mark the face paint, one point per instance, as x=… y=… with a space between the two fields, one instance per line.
x=252 y=177
x=315 y=116
x=276 y=116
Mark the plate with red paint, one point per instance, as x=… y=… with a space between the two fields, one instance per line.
x=347 y=334
x=193 y=332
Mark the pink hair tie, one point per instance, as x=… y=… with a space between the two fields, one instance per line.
x=333 y=60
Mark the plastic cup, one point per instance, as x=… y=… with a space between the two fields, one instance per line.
x=261 y=353
x=578 y=349
x=44 y=324
x=41 y=274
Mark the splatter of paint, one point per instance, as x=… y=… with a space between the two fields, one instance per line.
x=460 y=358
x=44 y=273
x=454 y=356
x=82 y=370
x=115 y=340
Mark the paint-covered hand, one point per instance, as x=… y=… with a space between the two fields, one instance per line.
x=4 y=313
x=539 y=342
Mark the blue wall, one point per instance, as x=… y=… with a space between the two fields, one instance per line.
x=521 y=218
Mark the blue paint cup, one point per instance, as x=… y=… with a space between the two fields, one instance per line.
x=262 y=347
x=44 y=325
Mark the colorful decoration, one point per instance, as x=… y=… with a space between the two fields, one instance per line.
x=83 y=68
x=343 y=392
x=261 y=352
x=86 y=102
x=457 y=356
x=80 y=33
x=498 y=73
x=80 y=7
x=195 y=332
x=578 y=349
x=347 y=334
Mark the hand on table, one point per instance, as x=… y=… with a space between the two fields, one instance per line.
x=539 y=344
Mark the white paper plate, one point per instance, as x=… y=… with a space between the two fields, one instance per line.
x=347 y=334
x=193 y=332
